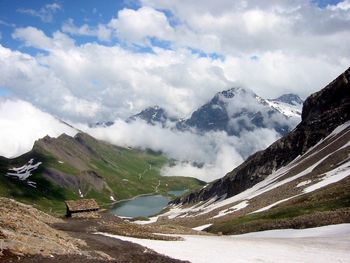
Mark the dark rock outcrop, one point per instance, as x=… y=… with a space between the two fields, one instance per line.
x=322 y=112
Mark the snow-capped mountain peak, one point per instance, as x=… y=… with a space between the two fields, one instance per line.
x=291 y=99
x=289 y=105
x=153 y=115
x=239 y=109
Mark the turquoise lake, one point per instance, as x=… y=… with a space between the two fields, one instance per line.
x=146 y=205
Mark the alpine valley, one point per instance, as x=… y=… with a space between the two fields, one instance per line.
x=300 y=181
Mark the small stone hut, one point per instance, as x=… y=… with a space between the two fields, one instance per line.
x=81 y=206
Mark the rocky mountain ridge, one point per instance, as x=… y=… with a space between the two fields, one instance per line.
x=322 y=112
x=233 y=107
x=235 y=110
x=68 y=167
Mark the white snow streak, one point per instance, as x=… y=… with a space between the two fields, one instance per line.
x=331 y=177
x=24 y=172
x=232 y=209
x=200 y=228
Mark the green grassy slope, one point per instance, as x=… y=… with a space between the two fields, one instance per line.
x=66 y=161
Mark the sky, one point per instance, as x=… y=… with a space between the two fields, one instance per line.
x=89 y=61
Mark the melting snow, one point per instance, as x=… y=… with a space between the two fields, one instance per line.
x=304 y=183
x=24 y=172
x=144 y=222
x=272 y=205
x=322 y=244
x=200 y=228
x=232 y=209
x=331 y=177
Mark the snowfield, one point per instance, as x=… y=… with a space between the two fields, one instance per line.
x=322 y=244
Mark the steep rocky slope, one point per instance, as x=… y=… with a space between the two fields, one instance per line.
x=25 y=230
x=322 y=112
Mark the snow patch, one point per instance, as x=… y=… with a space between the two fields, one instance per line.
x=200 y=228
x=331 y=177
x=24 y=172
x=304 y=183
x=272 y=205
x=232 y=209
x=323 y=244
x=150 y=221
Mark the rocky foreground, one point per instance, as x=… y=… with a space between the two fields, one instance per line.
x=29 y=235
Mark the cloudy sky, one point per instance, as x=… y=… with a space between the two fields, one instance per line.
x=88 y=61
x=92 y=60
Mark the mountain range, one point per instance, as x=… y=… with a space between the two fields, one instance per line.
x=234 y=111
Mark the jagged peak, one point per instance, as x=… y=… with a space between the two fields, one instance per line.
x=230 y=93
x=290 y=98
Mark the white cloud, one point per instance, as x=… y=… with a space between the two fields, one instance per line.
x=136 y=25
x=344 y=5
x=21 y=124
x=102 y=32
x=217 y=152
x=29 y=78
x=45 y=13
x=271 y=47
x=37 y=38
x=33 y=37
x=133 y=26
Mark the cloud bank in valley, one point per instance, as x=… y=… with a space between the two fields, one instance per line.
x=207 y=156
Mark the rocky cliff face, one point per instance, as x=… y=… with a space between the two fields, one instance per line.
x=322 y=112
